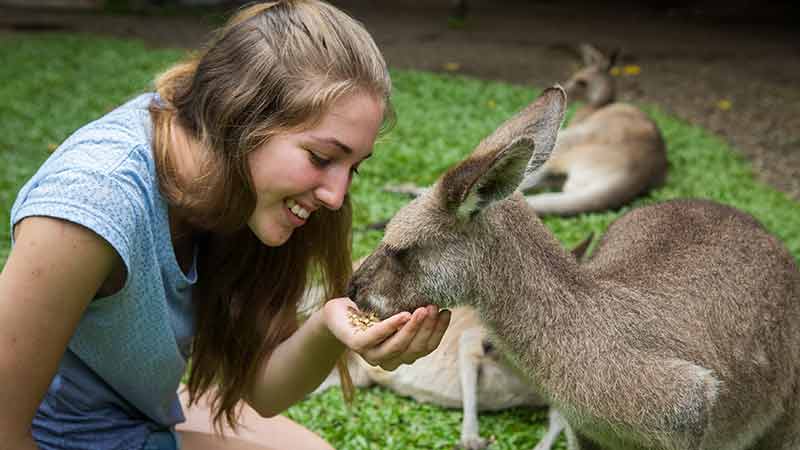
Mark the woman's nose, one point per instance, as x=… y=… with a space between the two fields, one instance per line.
x=333 y=188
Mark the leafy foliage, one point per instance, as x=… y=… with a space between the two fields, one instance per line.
x=52 y=84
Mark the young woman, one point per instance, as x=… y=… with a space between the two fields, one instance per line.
x=187 y=224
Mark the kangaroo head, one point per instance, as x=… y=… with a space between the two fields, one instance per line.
x=432 y=248
x=593 y=83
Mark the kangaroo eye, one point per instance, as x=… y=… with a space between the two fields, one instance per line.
x=398 y=254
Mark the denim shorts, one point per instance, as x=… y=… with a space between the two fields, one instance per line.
x=161 y=440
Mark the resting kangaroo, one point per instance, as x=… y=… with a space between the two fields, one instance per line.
x=610 y=153
x=681 y=332
x=463 y=372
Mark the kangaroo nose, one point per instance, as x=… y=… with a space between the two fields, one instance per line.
x=488 y=346
x=352 y=290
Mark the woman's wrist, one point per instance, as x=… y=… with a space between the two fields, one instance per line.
x=322 y=330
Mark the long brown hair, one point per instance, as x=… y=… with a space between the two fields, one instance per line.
x=274 y=67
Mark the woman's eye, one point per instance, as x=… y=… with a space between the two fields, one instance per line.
x=354 y=171
x=318 y=160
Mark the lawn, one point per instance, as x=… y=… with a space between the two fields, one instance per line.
x=52 y=84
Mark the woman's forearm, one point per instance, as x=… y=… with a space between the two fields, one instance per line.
x=296 y=367
x=24 y=443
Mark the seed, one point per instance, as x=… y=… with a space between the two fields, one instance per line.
x=361 y=320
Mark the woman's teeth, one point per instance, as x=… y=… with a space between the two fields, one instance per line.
x=298 y=210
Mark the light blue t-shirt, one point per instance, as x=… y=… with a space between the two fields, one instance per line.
x=118 y=380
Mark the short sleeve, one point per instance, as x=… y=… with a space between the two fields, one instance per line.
x=93 y=199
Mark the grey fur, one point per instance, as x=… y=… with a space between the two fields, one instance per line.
x=681 y=332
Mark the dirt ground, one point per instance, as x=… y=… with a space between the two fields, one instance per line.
x=734 y=73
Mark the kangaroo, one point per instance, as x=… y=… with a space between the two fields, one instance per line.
x=610 y=153
x=680 y=332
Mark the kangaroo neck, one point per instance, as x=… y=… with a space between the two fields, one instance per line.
x=551 y=288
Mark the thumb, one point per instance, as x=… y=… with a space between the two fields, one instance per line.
x=380 y=331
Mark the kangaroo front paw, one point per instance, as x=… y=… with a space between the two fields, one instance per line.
x=474 y=443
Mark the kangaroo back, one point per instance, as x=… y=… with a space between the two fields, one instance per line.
x=728 y=298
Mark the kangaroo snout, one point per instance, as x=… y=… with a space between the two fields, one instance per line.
x=355 y=292
x=363 y=286
x=352 y=291
x=382 y=285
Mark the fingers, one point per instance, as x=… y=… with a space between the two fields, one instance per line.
x=393 y=346
x=442 y=322
x=419 y=345
x=400 y=339
x=428 y=337
x=416 y=339
x=379 y=332
x=337 y=317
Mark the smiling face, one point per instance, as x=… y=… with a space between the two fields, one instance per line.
x=296 y=173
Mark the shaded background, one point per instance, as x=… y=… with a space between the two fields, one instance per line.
x=732 y=67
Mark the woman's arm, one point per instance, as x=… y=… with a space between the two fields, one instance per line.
x=51 y=275
x=300 y=363
x=296 y=367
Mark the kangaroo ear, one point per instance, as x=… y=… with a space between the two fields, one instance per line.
x=543 y=129
x=496 y=167
x=482 y=179
x=592 y=56
x=612 y=59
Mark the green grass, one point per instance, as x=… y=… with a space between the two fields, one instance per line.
x=381 y=420
x=53 y=84
x=441 y=118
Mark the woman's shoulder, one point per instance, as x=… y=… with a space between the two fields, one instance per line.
x=114 y=149
x=102 y=177
x=121 y=136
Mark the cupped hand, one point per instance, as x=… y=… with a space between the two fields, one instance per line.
x=400 y=339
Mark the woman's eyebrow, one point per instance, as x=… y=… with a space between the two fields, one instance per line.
x=333 y=142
